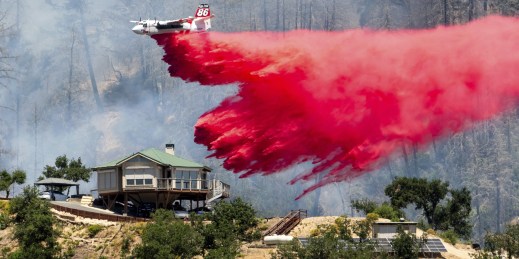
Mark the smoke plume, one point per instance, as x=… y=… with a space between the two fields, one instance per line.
x=345 y=101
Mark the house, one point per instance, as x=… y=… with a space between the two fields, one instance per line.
x=159 y=177
x=390 y=229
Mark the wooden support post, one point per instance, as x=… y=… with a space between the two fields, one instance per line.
x=167 y=202
x=157 y=201
x=111 y=203
x=125 y=204
x=104 y=202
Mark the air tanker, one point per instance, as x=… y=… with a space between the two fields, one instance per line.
x=200 y=23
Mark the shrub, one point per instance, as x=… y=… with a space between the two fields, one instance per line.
x=166 y=237
x=256 y=235
x=406 y=245
x=372 y=217
x=314 y=232
x=69 y=253
x=499 y=244
x=450 y=236
x=362 y=229
x=33 y=226
x=388 y=212
x=4 y=220
x=344 y=227
x=125 y=247
x=431 y=232
x=93 y=230
x=4 y=205
x=422 y=224
x=5 y=251
x=138 y=227
x=263 y=227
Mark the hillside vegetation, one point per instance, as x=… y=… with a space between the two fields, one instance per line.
x=90 y=88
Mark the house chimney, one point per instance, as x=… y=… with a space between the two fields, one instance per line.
x=170 y=149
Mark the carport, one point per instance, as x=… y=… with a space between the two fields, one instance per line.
x=58 y=182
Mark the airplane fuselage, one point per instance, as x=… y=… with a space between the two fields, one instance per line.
x=151 y=27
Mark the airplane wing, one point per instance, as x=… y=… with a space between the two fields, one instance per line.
x=171 y=24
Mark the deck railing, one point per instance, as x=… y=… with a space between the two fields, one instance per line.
x=182 y=184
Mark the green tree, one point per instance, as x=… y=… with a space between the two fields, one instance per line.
x=384 y=210
x=72 y=169
x=424 y=194
x=458 y=212
x=220 y=241
x=167 y=237
x=238 y=215
x=430 y=196
x=502 y=244
x=407 y=246
x=33 y=226
x=231 y=222
x=8 y=179
x=364 y=205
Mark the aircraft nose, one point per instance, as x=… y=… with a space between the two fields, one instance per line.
x=137 y=29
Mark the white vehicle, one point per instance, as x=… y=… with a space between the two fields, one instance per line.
x=53 y=196
x=200 y=23
x=181 y=213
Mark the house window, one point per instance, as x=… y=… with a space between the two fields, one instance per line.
x=178 y=179
x=139 y=177
x=186 y=179
x=106 y=180
x=194 y=178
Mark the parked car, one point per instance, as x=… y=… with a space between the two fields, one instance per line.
x=181 y=213
x=146 y=209
x=53 y=196
x=201 y=210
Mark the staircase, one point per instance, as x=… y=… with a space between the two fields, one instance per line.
x=287 y=223
x=218 y=190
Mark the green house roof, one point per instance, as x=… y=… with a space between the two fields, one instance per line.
x=157 y=156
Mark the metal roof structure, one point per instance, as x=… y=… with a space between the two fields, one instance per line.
x=396 y=223
x=433 y=245
x=157 y=156
x=56 y=182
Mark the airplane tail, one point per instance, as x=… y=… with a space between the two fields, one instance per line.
x=202 y=21
x=203 y=11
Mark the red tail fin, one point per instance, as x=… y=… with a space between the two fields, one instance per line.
x=203 y=11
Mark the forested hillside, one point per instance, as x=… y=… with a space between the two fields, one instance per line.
x=76 y=80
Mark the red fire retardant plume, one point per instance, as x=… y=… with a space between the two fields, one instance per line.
x=346 y=101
